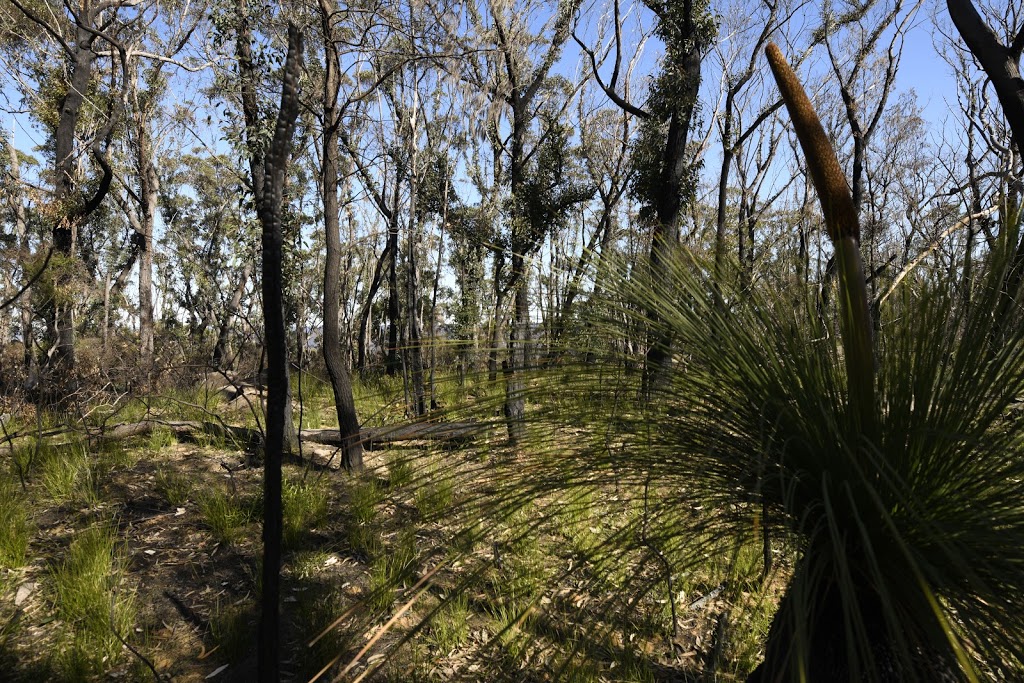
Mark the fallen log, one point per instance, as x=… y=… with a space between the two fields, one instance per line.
x=451 y=432
x=246 y=437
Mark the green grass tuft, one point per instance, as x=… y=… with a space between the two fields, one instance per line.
x=90 y=599
x=305 y=508
x=174 y=487
x=435 y=493
x=68 y=475
x=226 y=515
x=160 y=438
x=390 y=570
x=233 y=628
x=449 y=628
x=14 y=521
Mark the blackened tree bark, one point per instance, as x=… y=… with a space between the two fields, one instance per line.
x=1000 y=62
x=1002 y=65
x=268 y=178
x=664 y=175
x=687 y=36
x=341 y=382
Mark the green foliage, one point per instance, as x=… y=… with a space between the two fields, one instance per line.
x=225 y=514
x=68 y=474
x=160 y=438
x=400 y=471
x=364 y=496
x=550 y=191
x=897 y=531
x=449 y=627
x=390 y=570
x=363 y=535
x=14 y=520
x=175 y=487
x=305 y=509
x=687 y=31
x=89 y=595
x=434 y=492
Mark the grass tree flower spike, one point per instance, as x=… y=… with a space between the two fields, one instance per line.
x=844 y=231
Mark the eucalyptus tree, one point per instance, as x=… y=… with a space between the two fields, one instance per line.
x=17 y=251
x=515 y=76
x=605 y=139
x=728 y=52
x=977 y=151
x=865 y=48
x=202 y=205
x=1000 y=57
x=148 y=54
x=79 y=34
x=665 y=174
x=268 y=162
x=331 y=123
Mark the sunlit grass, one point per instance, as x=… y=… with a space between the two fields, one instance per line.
x=390 y=570
x=91 y=598
x=68 y=475
x=305 y=508
x=226 y=515
x=449 y=627
x=14 y=523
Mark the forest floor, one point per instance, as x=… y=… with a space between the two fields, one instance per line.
x=138 y=559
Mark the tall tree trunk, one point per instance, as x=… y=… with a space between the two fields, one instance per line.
x=149 y=192
x=518 y=338
x=392 y=363
x=419 y=406
x=367 y=309
x=341 y=382
x=497 y=318
x=65 y=230
x=665 y=237
x=674 y=172
x=222 y=356
x=21 y=232
x=268 y=180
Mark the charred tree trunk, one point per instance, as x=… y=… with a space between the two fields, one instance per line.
x=65 y=231
x=268 y=180
x=674 y=186
x=341 y=382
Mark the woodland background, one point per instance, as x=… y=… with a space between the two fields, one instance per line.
x=258 y=227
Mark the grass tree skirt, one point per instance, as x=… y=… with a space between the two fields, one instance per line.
x=824 y=631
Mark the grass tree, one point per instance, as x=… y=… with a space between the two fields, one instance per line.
x=886 y=469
